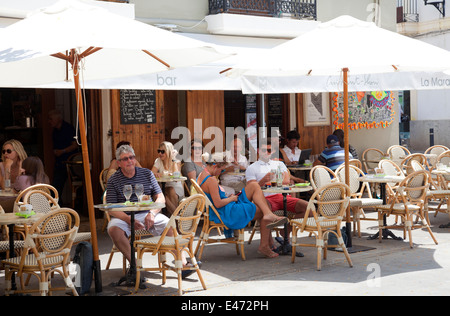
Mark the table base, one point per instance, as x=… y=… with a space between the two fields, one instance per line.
x=286 y=249
x=354 y=249
x=129 y=280
x=386 y=234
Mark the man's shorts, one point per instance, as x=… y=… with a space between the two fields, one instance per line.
x=161 y=222
x=276 y=202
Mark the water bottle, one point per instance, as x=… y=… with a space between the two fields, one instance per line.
x=279 y=177
x=7 y=182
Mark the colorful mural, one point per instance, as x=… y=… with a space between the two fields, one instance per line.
x=366 y=109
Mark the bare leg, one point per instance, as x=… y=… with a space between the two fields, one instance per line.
x=265 y=215
x=254 y=194
x=121 y=241
x=171 y=200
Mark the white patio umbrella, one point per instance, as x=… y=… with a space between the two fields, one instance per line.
x=97 y=44
x=334 y=49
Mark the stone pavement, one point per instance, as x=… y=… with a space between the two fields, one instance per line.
x=393 y=268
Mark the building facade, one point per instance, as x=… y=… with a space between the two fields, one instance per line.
x=428 y=113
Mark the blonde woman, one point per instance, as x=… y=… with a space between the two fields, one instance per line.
x=167 y=163
x=13 y=154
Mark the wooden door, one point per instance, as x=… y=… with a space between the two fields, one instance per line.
x=207 y=106
x=144 y=138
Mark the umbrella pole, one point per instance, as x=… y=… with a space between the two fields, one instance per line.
x=346 y=149
x=87 y=177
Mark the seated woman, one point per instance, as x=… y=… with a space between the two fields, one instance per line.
x=192 y=168
x=237 y=162
x=32 y=173
x=166 y=162
x=238 y=210
x=13 y=154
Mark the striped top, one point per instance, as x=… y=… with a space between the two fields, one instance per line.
x=114 y=189
x=333 y=157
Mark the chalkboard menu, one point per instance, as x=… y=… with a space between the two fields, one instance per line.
x=275 y=111
x=137 y=106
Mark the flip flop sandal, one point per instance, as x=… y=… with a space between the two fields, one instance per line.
x=277 y=223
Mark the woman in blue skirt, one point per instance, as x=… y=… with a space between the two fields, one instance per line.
x=236 y=211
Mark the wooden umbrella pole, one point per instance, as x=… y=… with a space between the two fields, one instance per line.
x=346 y=149
x=87 y=172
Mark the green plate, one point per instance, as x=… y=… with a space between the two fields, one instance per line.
x=25 y=215
x=306 y=184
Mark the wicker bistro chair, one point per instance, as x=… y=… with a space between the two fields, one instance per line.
x=43 y=202
x=46 y=251
x=208 y=226
x=182 y=226
x=102 y=178
x=370 y=159
x=358 y=190
x=397 y=153
x=406 y=164
x=4 y=239
x=408 y=202
x=320 y=176
x=50 y=190
x=324 y=214
x=435 y=150
x=391 y=169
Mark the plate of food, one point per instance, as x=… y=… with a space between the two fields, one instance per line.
x=305 y=184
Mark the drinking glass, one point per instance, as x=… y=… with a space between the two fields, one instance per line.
x=139 y=190
x=127 y=191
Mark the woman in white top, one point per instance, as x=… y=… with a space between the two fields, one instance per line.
x=13 y=154
x=166 y=164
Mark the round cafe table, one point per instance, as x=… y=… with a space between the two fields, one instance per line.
x=285 y=248
x=383 y=180
x=7 y=199
x=130 y=278
x=11 y=219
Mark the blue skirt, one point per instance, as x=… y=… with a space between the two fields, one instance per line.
x=234 y=215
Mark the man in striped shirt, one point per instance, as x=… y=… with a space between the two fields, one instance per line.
x=119 y=228
x=334 y=155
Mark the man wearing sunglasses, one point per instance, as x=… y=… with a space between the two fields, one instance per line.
x=261 y=172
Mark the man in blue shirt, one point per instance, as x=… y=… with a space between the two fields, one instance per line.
x=334 y=155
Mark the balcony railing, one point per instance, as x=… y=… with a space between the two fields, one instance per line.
x=296 y=9
x=407 y=11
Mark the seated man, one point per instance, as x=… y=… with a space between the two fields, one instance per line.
x=334 y=155
x=291 y=150
x=261 y=172
x=119 y=228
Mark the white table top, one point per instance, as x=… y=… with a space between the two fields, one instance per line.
x=299 y=168
x=12 y=218
x=122 y=207
x=10 y=193
x=171 y=179
x=292 y=189
x=383 y=179
x=444 y=171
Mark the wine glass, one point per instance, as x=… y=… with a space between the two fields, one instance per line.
x=139 y=190
x=127 y=191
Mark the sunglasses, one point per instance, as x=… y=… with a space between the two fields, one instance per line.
x=161 y=151
x=127 y=158
x=7 y=151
